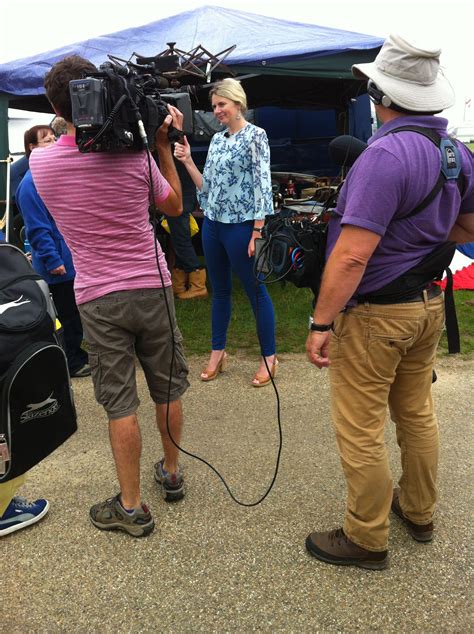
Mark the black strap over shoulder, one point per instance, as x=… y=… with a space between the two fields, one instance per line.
x=450 y=163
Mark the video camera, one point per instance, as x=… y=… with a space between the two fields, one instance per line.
x=121 y=106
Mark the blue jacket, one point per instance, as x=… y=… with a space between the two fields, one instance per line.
x=17 y=172
x=48 y=248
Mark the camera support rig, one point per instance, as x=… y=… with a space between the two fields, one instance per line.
x=198 y=62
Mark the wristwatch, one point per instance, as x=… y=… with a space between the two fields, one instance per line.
x=318 y=327
x=257 y=229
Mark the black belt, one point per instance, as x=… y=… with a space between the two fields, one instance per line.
x=432 y=291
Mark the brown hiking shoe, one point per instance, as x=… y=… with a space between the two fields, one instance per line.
x=334 y=547
x=420 y=532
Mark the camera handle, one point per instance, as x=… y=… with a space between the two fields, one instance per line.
x=175 y=135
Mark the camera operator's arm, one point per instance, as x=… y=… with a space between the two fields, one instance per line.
x=463 y=229
x=173 y=203
x=342 y=275
x=182 y=152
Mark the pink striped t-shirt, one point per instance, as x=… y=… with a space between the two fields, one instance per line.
x=99 y=202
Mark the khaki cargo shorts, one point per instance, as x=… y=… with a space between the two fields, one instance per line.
x=125 y=325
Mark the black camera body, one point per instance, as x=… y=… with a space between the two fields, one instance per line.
x=114 y=108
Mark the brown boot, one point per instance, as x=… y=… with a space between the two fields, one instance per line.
x=419 y=532
x=197 y=285
x=179 y=279
x=334 y=547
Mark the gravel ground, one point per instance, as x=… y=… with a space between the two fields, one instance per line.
x=213 y=566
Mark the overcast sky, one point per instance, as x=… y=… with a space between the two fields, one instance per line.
x=31 y=27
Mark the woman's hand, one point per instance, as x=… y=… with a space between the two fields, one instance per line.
x=256 y=233
x=182 y=151
x=251 y=247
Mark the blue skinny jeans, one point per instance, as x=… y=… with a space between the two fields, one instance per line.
x=225 y=249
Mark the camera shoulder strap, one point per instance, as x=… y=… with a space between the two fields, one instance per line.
x=450 y=163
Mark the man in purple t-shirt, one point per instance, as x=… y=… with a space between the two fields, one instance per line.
x=100 y=202
x=380 y=350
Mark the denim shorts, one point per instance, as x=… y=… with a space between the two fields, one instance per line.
x=125 y=325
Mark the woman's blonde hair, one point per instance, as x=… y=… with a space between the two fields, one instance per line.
x=230 y=89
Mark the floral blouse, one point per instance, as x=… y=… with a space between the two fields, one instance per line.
x=236 y=179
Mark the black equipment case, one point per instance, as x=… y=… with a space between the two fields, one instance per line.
x=37 y=412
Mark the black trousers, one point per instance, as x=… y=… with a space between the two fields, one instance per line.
x=186 y=257
x=68 y=314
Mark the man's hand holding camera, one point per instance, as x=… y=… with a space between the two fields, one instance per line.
x=173 y=205
x=174 y=119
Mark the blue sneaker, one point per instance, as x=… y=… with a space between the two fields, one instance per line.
x=21 y=513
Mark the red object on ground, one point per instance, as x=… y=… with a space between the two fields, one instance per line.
x=463 y=279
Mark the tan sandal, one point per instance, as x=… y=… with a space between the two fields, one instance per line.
x=207 y=375
x=260 y=380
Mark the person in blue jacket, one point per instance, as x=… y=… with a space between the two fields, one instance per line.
x=52 y=259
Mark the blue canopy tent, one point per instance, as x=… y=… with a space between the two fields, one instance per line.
x=285 y=64
x=265 y=46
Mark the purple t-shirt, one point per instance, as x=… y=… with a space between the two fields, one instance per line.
x=390 y=178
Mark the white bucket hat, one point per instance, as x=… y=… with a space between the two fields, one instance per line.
x=409 y=75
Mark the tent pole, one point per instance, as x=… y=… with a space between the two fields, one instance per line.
x=4 y=164
x=5 y=221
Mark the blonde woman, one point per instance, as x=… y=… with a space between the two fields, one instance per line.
x=234 y=192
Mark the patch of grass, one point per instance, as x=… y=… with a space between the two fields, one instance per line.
x=292 y=307
x=465 y=315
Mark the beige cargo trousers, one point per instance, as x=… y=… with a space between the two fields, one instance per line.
x=383 y=355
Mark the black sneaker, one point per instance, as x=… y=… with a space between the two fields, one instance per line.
x=171 y=483
x=84 y=371
x=110 y=515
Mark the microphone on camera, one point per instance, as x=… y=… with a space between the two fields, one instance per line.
x=345 y=150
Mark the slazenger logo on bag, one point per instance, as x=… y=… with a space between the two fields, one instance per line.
x=48 y=407
x=17 y=302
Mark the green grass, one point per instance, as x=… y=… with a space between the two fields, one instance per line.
x=292 y=307
x=465 y=315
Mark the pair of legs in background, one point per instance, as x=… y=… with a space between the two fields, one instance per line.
x=188 y=276
x=68 y=314
x=120 y=327
x=384 y=355
x=225 y=249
